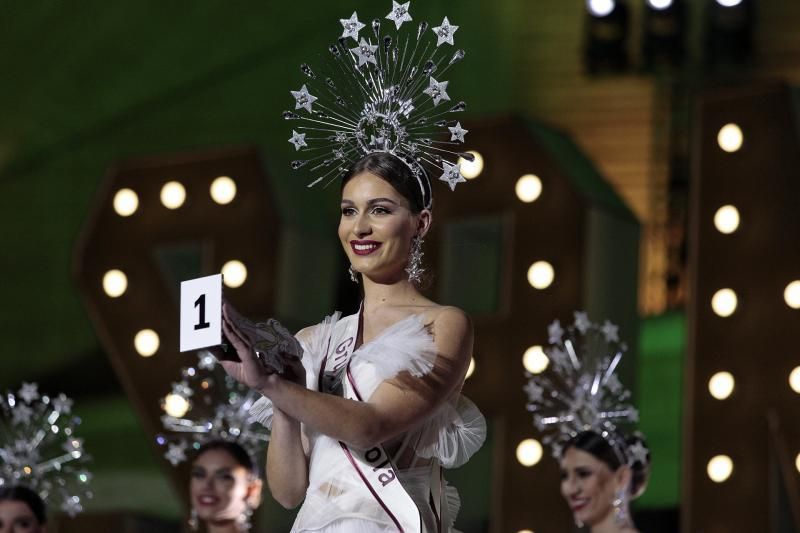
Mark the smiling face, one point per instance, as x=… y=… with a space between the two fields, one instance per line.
x=377 y=227
x=17 y=517
x=220 y=487
x=589 y=485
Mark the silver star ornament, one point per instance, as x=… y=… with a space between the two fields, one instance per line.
x=399 y=13
x=303 y=99
x=457 y=132
x=365 y=53
x=444 y=33
x=452 y=175
x=351 y=27
x=29 y=392
x=298 y=140
x=437 y=90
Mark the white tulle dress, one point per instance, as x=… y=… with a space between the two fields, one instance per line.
x=336 y=500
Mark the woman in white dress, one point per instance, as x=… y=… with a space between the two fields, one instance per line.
x=359 y=433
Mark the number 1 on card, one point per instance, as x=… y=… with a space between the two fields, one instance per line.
x=201 y=313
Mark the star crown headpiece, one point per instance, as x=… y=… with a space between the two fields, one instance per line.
x=39 y=448
x=580 y=390
x=383 y=92
x=207 y=405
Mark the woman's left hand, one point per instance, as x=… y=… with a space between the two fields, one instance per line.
x=248 y=370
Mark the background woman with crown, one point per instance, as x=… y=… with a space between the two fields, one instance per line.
x=42 y=461
x=361 y=428
x=582 y=410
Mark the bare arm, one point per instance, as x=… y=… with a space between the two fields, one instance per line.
x=396 y=406
x=287 y=464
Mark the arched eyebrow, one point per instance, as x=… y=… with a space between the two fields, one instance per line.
x=372 y=202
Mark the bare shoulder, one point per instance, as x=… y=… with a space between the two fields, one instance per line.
x=450 y=318
x=451 y=327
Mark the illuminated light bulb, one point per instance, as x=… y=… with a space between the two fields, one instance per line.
x=470 y=368
x=726 y=219
x=729 y=3
x=660 y=5
x=126 y=202
x=529 y=452
x=146 y=342
x=721 y=385
x=541 y=275
x=234 y=274
x=525 y=531
x=797 y=462
x=534 y=360
x=794 y=380
x=724 y=302
x=730 y=138
x=719 y=468
x=601 y=8
x=471 y=169
x=176 y=405
x=528 y=188
x=115 y=283
x=223 y=190
x=173 y=195
x=791 y=295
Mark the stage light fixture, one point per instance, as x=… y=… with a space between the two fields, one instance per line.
x=601 y=8
x=726 y=219
x=146 y=342
x=535 y=360
x=470 y=368
x=721 y=385
x=115 y=283
x=126 y=202
x=791 y=295
x=541 y=275
x=794 y=380
x=664 y=34
x=730 y=138
x=720 y=468
x=471 y=169
x=724 y=302
x=173 y=194
x=529 y=452
x=176 y=405
x=607 y=28
x=528 y=188
x=223 y=190
x=234 y=274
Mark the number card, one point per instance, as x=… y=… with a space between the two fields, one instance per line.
x=201 y=312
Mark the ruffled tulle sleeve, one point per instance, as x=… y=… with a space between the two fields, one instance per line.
x=314 y=341
x=404 y=347
x=454 y=434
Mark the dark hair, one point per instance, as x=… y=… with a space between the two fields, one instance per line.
x=613 y=456
x=397 y=173
x=239 y=454
x=18 y=493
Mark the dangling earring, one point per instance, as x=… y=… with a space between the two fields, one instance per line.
x=353 y=274
x=414 y=268
x=620 y=511
x=194 y=522
x=243 y=523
